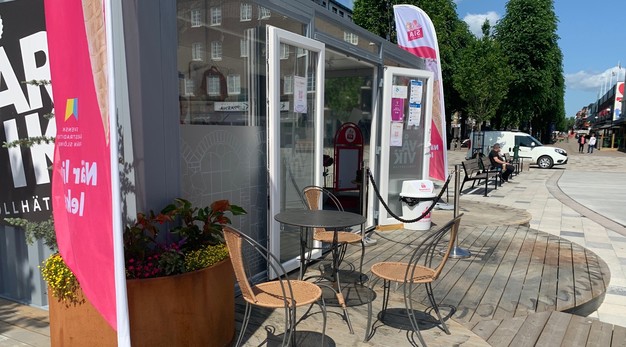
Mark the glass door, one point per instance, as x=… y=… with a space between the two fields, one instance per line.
x=405 y=134
x=295 y=76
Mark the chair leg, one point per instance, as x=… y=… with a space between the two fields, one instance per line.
x=323 y=307
x=361 y=275
x=244 y=324
x=386 y=287
x=431 y=297
x=411 y=315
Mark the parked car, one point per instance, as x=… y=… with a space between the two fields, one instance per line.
x=529 y=147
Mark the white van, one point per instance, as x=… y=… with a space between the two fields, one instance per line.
x=529 y=147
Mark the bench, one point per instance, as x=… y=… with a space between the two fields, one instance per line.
x=474 y=171
x=513 y=162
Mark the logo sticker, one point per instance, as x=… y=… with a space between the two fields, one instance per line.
x=71 y=108
x=414 y=30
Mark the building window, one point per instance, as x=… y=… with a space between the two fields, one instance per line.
x=216 y=15
x=213 y=86
x=245 y=13
x=341 y=13
x=189 y=87
x=311 y=82
x=334 y=9
x=264 y=13
x=351 y=38
x=216 y=50
x=197 y=51
x=288 y=85
x=196 y=18
x=243 y=48
x=284 y=51
x=301 y=52
x=234 y=84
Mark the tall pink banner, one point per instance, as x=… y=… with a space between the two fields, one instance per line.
x=81 y=185
x=416 y=34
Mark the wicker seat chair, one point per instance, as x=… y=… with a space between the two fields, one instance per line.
x=424 y=267
x=314 y=197
x=281 y=293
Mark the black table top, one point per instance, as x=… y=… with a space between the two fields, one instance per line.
x=319 y=218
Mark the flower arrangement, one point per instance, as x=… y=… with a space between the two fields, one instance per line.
x=193 y=241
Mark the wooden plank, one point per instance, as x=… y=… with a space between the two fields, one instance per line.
x=456 y=270
x=554 y=330
x=490 y=301
x=577 y=332
x=532 y=281
x=598 y=273
x=565 y=295
x=547 y=291
x=485 y=328
x=582 y=280
x=531 y=329
x=491 y=261
x=512 y=291
x=505 y=333
x=600 y=334
x=619 y=336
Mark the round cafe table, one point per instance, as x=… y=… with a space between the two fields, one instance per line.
x=328 y=219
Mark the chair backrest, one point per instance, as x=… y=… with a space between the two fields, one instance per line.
x=235 y=241
x=427 y=253
x=315 y=197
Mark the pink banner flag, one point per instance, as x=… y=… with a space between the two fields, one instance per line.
x=416 y=34
x=81 y=186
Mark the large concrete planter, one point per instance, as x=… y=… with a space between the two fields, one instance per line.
x=192 y=309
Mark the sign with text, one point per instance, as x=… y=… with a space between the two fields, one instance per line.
x=24 y=175
x=81 y=184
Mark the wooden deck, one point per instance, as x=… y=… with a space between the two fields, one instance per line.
x=510 y=292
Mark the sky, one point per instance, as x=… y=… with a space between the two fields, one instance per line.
x=592 y=39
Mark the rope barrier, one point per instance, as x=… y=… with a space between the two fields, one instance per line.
x=426 y=212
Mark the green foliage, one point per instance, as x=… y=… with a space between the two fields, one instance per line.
x=205 y=257
x=61 y=280
x=483 y=76
x=37 y=230
x=342 y=95
x=29 y=142
x=527 y=33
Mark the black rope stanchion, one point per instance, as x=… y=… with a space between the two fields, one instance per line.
x=458 y=252
x=424 y=214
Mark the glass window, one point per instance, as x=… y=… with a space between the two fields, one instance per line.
x=216 y=16
x=245 y=13
x=189 y=87
x=216 y=50
x=243 y=48
x=284 y=51
x=288 y=85
x=351 y=38
x=213 y=86
x=234 y=84
x=196 y=18
x=264 y=13
x=197 y=51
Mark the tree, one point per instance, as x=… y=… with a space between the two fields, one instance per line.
x=527 y=34
x=452 y=34
x=482 y=78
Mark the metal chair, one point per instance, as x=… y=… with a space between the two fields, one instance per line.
x=281 y=293
x=314 y=197
x=424 y=267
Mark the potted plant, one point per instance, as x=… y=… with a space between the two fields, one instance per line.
x=180 y=283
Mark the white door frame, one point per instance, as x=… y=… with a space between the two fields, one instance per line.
x=383 y=184
x=275 y=37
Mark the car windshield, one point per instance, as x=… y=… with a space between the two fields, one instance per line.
x=527 y=141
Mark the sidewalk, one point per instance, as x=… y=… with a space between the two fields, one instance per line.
x=583 y=201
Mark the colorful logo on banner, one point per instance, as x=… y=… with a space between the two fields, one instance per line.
x=71 y=108
x=419 y=38
x=414 y=30
x=81 y=188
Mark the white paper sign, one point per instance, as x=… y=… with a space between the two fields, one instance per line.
x=299 y=94
x=399 y=92
x=395 y=138
x=415 y=96
x=415 y=113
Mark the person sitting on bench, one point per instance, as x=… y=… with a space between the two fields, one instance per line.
x=498 y=162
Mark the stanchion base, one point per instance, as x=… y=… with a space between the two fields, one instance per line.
x=458 y=252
